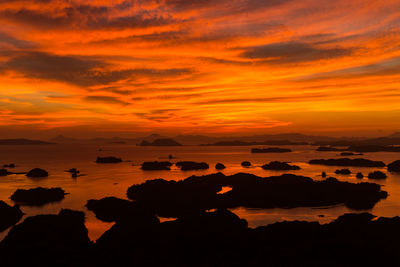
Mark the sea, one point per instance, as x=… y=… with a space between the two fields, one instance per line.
x=103 y=180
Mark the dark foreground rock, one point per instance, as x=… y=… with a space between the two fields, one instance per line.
x=38 y=196
x=280 y=166
x=173 y=198
x=111 y=209
x=108 y=160
x=156 y=165
x=394 y=166
x=9 y=215
x=37 y=173
x=200 y=238
x=191 y=165
x=378 y=175
x=270 y=150
x=343 y=171
x=220 y=238
x=47 y=240
x=219 y=166
x=346 y=162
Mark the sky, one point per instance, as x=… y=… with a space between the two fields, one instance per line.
x=219 y=67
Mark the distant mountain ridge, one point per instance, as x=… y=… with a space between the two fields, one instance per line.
x=23 y=141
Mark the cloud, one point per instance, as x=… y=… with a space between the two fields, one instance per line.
x=78 y=70
x=293 y=52
x=83 y=16
x=105 y=99
x=8 y=40
x=384 y=68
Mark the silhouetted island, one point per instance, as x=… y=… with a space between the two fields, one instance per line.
x=394 y=166
x=191 y=165
x=359 y=175
x=246 y=164
x=4 y=172
x=172 y=198
x=156 y=165
x=270 y=150
x=279 y=166
x=217 y=238
x=108 y=160
x=160 y=142
x=378 y=175
x=11 y=165
x=219 y=166
x=38 y=196
x=345 y=154
x=37 y=173
x=111 y=209
x=346 y=162
x=9 y=215
x=343 y=171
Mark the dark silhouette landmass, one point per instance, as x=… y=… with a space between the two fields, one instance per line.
x=48 y=240
x=160 y=142
x=156 y=165
x=38 y=196
x=37 y=173
x=217 y=238
x=246 y=164
x=112 y=209
x=191 y=165
x=359 y=175
x=4 y=172
x=343 y=171
x=22 y=142
x=173 y=198
x=346 y=162
x=280 y=166
x=108 y=160
x=394 y=166
x=270 y=150
x=11 y=165
x=219 y=166
x=378 y=175
x=9 y=215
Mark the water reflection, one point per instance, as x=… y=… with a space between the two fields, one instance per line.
x=102 y=180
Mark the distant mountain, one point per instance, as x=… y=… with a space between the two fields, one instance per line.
x=63 y=139
x=160 y=142
x=22 y=142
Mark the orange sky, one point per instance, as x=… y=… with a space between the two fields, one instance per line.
x=206 y=66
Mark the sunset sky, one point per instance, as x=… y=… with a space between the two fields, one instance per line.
x=232 y=67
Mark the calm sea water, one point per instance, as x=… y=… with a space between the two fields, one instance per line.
x=103 y=180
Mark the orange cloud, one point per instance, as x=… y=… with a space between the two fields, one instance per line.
x=182 y=66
